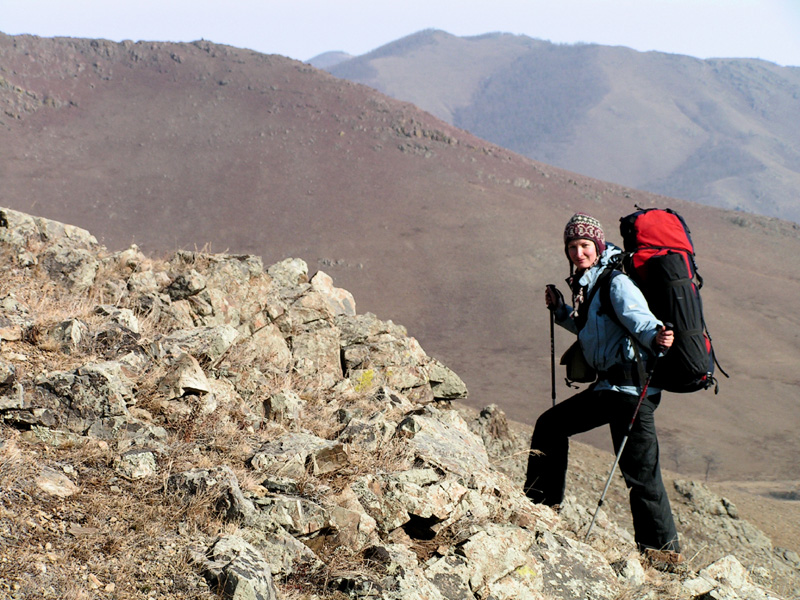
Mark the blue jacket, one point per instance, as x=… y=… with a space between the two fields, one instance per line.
x=604 y=343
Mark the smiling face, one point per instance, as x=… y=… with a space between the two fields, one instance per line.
x=582 y=253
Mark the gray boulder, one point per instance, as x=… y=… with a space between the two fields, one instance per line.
x=237 y=570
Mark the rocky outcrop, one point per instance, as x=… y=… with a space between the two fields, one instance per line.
x=360 y=477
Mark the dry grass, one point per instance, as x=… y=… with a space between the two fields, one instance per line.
x=111 y=539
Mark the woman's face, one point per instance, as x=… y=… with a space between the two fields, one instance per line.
x=582 y=253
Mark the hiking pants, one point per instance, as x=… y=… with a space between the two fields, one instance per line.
x=545 y=482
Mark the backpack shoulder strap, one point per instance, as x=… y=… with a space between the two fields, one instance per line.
x=608 y=309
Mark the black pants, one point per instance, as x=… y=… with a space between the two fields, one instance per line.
x=653 y=524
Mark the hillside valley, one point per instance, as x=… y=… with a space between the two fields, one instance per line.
x=201 y=146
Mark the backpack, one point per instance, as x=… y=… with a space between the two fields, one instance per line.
x=659 y=258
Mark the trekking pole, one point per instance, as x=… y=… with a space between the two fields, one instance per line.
x=642 y=396
x=552 y=350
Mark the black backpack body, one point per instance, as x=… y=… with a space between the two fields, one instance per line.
x=660 y=260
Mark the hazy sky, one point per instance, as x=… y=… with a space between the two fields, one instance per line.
x=301 y=29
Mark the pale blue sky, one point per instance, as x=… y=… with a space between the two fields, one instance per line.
x=301 y=29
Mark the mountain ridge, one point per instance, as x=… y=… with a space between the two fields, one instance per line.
x=715 y=131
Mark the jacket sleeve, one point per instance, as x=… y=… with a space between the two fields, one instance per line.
x=632 y=311
x=562 y=317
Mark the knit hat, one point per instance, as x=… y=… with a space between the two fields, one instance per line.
x=583 y=227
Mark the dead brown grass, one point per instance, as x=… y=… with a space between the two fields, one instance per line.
x=112 y=539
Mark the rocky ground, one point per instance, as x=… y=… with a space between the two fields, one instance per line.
x=202 y=427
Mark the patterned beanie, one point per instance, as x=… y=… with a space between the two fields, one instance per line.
x=582 y=226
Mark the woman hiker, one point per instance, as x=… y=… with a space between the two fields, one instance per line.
x=608 y=346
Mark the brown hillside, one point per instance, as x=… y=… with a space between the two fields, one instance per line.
x=187 y=145
x=719 y=131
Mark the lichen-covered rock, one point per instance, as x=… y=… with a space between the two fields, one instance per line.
x=445 y=383
x=77 y=399
x=289 y=272
x=136 y=464
x=726 y=579
x=443 y=439
x=339 y=301
x=283 y=407
x=238 y=570
x=184 y=377
x=294 y=453
x=572 y=569
x=220 y=485
x=206 y=344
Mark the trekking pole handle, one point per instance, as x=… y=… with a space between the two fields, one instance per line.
x=556 y=295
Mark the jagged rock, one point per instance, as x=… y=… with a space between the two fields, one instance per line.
x=283 y=406
x=221 y=485
x=136 y=464
x=571 y=569
x=443 y=439
x=362 y=328
x=499 y=552
x=186 y=285
x=316 y=356
x=54 y=483
x=294 y=453
x=377 y=353
x=630 y=571
x=492 y=427
x=76 y=267
x=14 y=318
x=65 y=252
x=355 y=528
x=116 y=341
x=86 y=395
x=339 y=301
x=726 y=579
x=284 y=553
x=238 y=570
x=130 y=260
x=368 y=435
x=237 y=289
x=704 y=500
x=404 y=484
x=65 y=336
x=451 y=574
x=126 y=432
x=445 y=383
x=183 y=378
x=8 y=375
x=299 y=516
x=388 y=513
x=289 y=272
x=206 y=344
x=119 y=316
x=407 y=580
x=147 y=282
x=267 y=349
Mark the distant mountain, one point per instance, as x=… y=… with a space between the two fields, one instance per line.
x=206 y=146
x=722 y=132
x=327 y=60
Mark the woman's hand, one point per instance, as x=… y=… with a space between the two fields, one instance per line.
x=553 y=299
x=664 y=338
